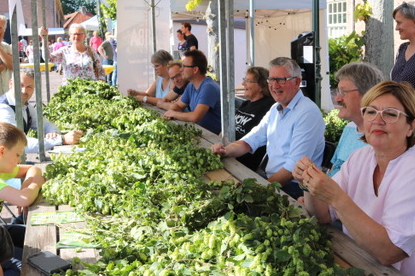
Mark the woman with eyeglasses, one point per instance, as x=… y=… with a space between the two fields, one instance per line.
x=249 y=114
x=77 y=60
x=162 y=85
x=404 y=67
x=373 y=194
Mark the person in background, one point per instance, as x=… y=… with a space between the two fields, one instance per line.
x=77 y=60
x=12 y=144
x=113 y=41
x=293 y=128
x=354 y=80
x=95 y=41
x=182 y=43
x=106 y=51
x=30 y=52
x=174 y=68
x=201 y=96
x=404 y=67
x=373 y=193
x=251 y=112
x=59 y=44
x=191 y=40
x=8 y=115
x=6 y=58
x=162 y=85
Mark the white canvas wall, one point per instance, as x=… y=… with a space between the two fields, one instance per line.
x=135 y=41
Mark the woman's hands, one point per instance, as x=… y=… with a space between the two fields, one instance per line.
x=316 y=181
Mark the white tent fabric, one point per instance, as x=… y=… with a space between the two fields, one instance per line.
x=179 y=5
x=91 y=24
x=51 y=31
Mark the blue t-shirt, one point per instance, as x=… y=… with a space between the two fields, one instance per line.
x=208 y=94
x=349 y=142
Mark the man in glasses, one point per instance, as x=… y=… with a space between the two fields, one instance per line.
x=354 y=80
x=293 y=128
x=201 y=96
x=174 y=68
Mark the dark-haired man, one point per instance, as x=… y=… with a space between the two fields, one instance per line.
x=192 y=43
x=201 y=96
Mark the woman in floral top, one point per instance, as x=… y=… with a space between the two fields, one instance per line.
x=78 y=60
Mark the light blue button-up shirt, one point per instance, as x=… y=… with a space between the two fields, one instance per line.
x=289 y=134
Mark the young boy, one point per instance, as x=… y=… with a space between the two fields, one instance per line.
x=12 y=144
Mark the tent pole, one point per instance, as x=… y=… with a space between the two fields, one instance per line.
x=230 y=50
x=223 y=72
x=317 y=48
x=16 y=69
x=44 y=49
x=153 y=21
x=251 y=33
x=38 y=79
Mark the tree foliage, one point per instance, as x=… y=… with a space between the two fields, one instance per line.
x=110 y=11
x=71 y=6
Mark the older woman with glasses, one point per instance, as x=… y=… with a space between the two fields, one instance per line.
x=404 y=68
x=373 y=194
x=77 y=60
x=250 y=113
x=162 y=86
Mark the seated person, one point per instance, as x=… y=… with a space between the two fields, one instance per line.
x=372 y=194
x=12 y=144
x=354 y=80
x=292 y=128
x=250 y=113
x=8 y=115
x=162 y=86
x=201 y=96
x=175 y=74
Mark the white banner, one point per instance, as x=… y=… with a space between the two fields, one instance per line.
x=135 y=41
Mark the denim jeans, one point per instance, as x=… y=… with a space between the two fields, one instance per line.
x=114 y=74
x=108 y=78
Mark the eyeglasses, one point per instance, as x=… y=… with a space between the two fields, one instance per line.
x=248 y=81
x=155 y=66
x=175 y=76
x=343 y=92
x=280 y=81
x=189 y=66
x=77 y=34
x=389 y=115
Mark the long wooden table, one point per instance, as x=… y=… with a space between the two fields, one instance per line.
x=42 y=238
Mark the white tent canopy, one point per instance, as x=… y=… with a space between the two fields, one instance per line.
x=52 y=31
x=179 y=5
x=91 y=24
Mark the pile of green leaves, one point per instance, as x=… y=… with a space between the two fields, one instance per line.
x=140 y=184
x=334 y=126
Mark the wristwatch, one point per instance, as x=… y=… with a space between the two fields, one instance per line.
x=144 y=99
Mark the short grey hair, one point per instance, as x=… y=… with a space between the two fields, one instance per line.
x=77 y=26
x=407 y=10
x=30 y=72
x=364 y=75
x=161 y=56
x=289 y=64
x=3 y=19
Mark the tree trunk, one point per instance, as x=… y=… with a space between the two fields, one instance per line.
x=213 y=39
x=379 y=36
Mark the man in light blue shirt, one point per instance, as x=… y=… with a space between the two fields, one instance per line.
x=293 y=128
x=8 y=115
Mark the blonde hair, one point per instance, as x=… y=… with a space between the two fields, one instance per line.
x=11 y=135
x=403 y=92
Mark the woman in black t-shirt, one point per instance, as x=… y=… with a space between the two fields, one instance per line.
x=250 y=113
